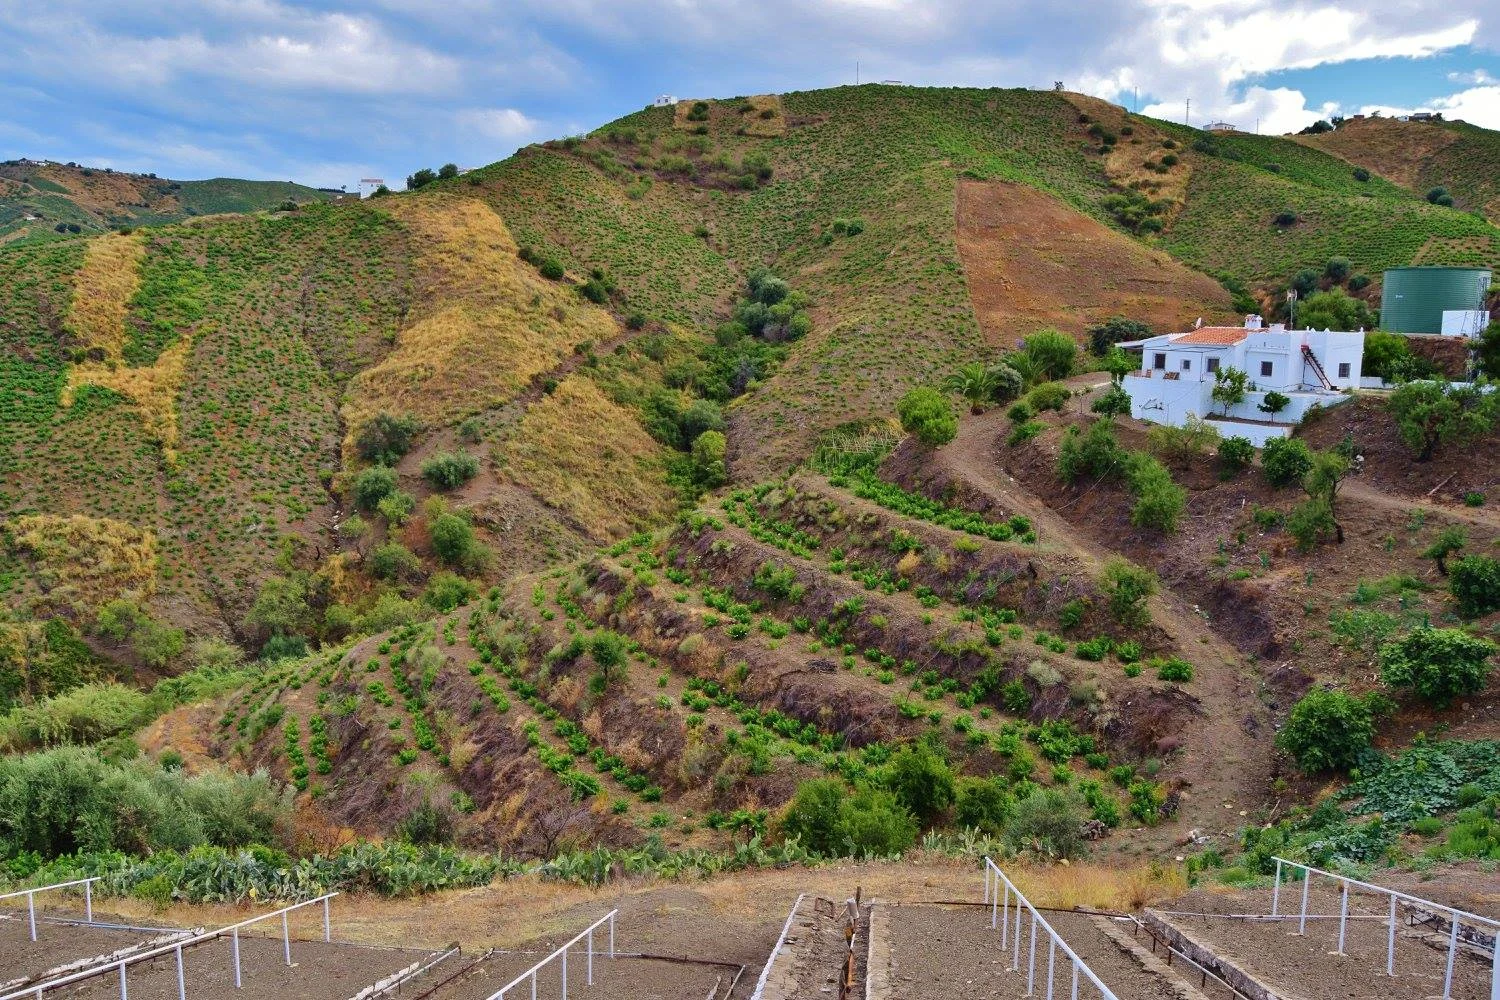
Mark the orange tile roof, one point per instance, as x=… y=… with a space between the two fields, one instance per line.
x=1220 y=336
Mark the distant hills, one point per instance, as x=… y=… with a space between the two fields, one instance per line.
x=38 y=197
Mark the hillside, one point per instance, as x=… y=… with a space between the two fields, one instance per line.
x=1420 y=156
x=560 y=504
x=36 y=198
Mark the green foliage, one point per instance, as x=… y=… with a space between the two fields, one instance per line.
x=1285 y=461
x=86 y=714
x=426 y=825
x=447 y=590
x=1425 y=779
x=1159 y=501
x=709 y=468
x=394 y=561
x=1487 y=351
x=1114 y=402
x=1474 y=582
x=281 y=607
x=1184 y=444
x=981 y=804
x=373 y=485
x=1334 y=309
x=1128 y=587
x=1094 y=453
x=921 y=781
x=1173 y=670
x=385 y=438
x=1114 y=330
x=1235 y=454
x=1310 y=523
x=1048 y=396
x=1437 y=664
x=1229 y=388
x=453 y=539
x=1047 y=822
x=448 y=470
x=1432 y=414
x=830 y=821
x=926 y=414
x=1051 y=353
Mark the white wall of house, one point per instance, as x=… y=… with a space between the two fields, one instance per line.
x=1258 y=434
x=1340 y=353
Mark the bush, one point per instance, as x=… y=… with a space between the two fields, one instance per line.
x=449 y=471
x=1337 y=268
x=1128 y=588
x=1431 y=414
x=1440 y=196
x=1048 y=396
x=551 y=269
x=709 y=468
x=921 y=782
x=981 y=804
x=426 y=825
x=1437 y=664
x=1182 y=444
x=1311 y=523
x=1273 y=402
x=1235 y=454
x=1174 y=670
x=397 y=507
x=373 y=485
x=1052 y=352
x=1115 y=402
x=1361 y=174
x=1286 y=218
x=1159 y=500
x=1048 y=822
x=385 y=437
x=452 y=539
x=1095 y=453
x=1114 y=330
x=1328 y=730
x=830 y=821
x=927 y=414
x=393 y=561
x=1474 y=582
x=1285 y=461
x=85 y=714
x=446 y=591
x=1334 y=309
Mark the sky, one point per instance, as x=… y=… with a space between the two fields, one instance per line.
x=327 y=93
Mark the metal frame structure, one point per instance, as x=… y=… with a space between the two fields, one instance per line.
x=1454 y=917
x=998 y=889
x=30 y=894
x=587 y=935
x=233 y=930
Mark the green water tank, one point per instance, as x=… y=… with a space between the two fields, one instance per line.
x=1413 y=299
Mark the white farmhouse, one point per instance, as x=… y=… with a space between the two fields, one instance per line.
x=1178 y=372
x=665 y=101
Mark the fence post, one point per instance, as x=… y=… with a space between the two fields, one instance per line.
x=1390 y=942
x=286 y=938
x=591 y=957
x=1005 y=917
x=1276 y=890
x=1031 y=962
x=994 y=901
x=1306 y=881
x=533 y=984
x=236 y=942
x=611 y=935
x=565 y=974
x=1452 y=951
x=327 y=928
x=1015 y=961
x=181 y=983
x=986 y=881
x=124 y=995
x=88 y=900
x=1051 y=962
x=1495 y=969
x=1075 y=979
x=31 y=912
x=1343 y=916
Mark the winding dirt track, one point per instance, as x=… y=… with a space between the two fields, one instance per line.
x=1225 y=761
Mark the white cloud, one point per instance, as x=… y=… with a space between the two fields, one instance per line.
x=504 y=124
x=1476 y=105
x=1477 y=77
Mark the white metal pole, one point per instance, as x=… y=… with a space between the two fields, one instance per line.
x=327 y=929
x=1075 y=979
x=611 y=935
x=88 y=900
x=236 y=943
x=1015 y=961
x=1276 y=890
x=565 y=974
x=1390 y=942
x=286 y=938
x=591 y=957
x=1051 y=962
x=1452 y=951
x=1343 y=916
x=986 y=883
x=1306 y=881
x=31 y=912
x=1495 y=969
x=181 y=983
x=123 y=994
x=1031 y=963
x=533 y=984
x=1005 y=916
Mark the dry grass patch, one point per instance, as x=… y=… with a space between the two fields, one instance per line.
x=153 y=390
x=102 y=290
x=588 y=457
x=754 y=121
x=1098 y=885
x=484 y=323
x=1398 y=151
x=81 y=563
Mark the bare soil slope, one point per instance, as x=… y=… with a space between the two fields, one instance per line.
x=1031 y=261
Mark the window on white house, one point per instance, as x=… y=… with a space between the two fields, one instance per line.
x=1266 y=368
x=1213 y=364
x=1187 y=364
x=1343 y=369
x=1159 y=362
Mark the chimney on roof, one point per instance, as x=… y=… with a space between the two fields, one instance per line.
x=1254 y=322
x=1278 y=327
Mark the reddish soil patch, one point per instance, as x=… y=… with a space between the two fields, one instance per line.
x=1031 y=261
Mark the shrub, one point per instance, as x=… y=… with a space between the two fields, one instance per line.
x=1115 y=402
x=709 y=467
x=397 y=507
x=1182 y=444
x=1159 y=501
x=1437 y=664
x=1052 y=352
x=1048 y=822
x=1128 y=588
x=1334 y=309
x=1440 y=196
x=385 y=437
x=1474 y=582
x=830 y=821
x=392 y=561
x=1286 y=218
x=85 y=714
x=450 y=470
x=1095 y=453
x=1114 y=330
x=1361 y=174
x=1431 y=414
x=426 y=825
x=1285 y=461
x=921 y=781
x=981 y=804
x=1337 y=268
x=373 y=485
x=1174 y=670
x=1273 y=402
x=1048 y=396
x=927 y=414
x=452 y=538
x=1235 y=454
x=551 y=269
x=1328 y=730
x=1229 y=388
x=446 y=591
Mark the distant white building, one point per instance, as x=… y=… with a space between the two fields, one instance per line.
x=369 y=185
x=1178 y=373
x=665 y=101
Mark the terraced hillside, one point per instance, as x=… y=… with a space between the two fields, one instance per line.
x=48 y=200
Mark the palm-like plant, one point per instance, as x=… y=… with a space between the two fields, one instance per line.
x=975 y=383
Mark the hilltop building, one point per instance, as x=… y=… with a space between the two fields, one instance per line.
x=1179 y=370
x=369 y=185
x=665 y=101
